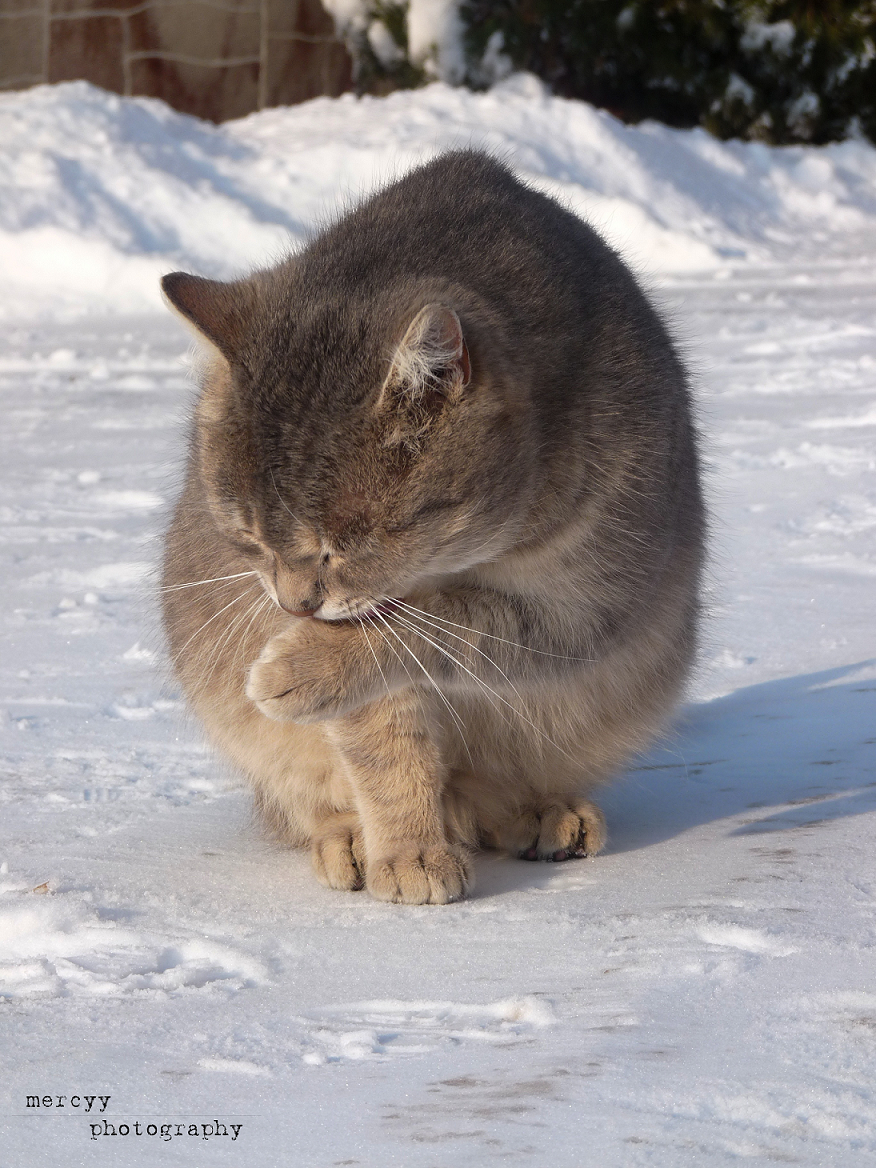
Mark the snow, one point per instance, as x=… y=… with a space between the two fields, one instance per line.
x=436 y=38
x=703 y=993
x=101 y=194
x=434 y=30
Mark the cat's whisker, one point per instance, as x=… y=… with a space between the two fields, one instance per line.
x=283 y=503
x=480 y=652
x=198 y=583
x=265 y=602
x=389 y=646
x=242 y=631
x=488 y=689
x=376 y=662
x=480 y=633
x=374 y=613
x=209 y=621
x=460 y=725
x=209 y=655
x=450 y=657
x=371 y=619
x=232 y=628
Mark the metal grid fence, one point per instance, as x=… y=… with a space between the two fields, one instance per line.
x=217 y=59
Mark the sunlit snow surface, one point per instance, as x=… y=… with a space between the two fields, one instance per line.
x=704 y=993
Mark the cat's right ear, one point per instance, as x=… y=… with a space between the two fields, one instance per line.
x=216 y=311
x=432 y=356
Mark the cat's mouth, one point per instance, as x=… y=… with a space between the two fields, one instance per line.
x=362 y=613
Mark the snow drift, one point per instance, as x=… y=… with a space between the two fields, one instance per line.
x=100 y=194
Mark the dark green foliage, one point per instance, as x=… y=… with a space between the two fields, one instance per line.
x=777 y=70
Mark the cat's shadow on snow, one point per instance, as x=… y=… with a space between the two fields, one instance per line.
x=767 y=758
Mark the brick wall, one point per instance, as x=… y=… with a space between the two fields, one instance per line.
x=217 y=59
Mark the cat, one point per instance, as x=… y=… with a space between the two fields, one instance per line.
x=434 y=574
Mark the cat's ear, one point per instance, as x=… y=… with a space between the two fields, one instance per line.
x=432 y=355
x=218 y=312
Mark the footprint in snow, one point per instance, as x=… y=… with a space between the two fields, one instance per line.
x=374 y=1030
x=53 y=949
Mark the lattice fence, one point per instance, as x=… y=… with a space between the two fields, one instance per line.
x=217 y=59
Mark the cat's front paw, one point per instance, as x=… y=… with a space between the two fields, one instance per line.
x=337 y=852
x=298 y=676
x=416 y=873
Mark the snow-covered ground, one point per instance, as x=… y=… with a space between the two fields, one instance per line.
x=704 y=993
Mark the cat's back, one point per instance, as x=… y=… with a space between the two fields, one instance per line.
x=467 y=218
x=519 y=268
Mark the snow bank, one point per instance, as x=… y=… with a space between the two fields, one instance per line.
x=99 y=194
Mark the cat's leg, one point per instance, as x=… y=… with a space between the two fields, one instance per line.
x=552 y=829
x=394 y=765
x=337 y=851
x=301 y=791
x=460 y=813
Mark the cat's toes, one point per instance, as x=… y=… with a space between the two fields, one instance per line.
x=267 y=682
x=592 y=829
x=282 y=692
x=338 y=859
x=557 y=831
x=421 y=874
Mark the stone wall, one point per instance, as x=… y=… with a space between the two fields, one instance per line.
x=217 y=59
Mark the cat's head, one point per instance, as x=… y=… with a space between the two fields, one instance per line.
x=354 y=450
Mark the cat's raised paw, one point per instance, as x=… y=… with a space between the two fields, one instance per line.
x=292 y=681
x=421 y=874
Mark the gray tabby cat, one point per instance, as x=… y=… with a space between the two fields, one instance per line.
x=434 y=573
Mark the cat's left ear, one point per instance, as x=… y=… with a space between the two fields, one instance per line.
x=432 y=355
x=219 y=313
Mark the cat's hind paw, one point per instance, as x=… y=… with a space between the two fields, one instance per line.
x=555 y=831
x=421 y=874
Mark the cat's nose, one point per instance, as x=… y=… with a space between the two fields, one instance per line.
x=296 y=596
